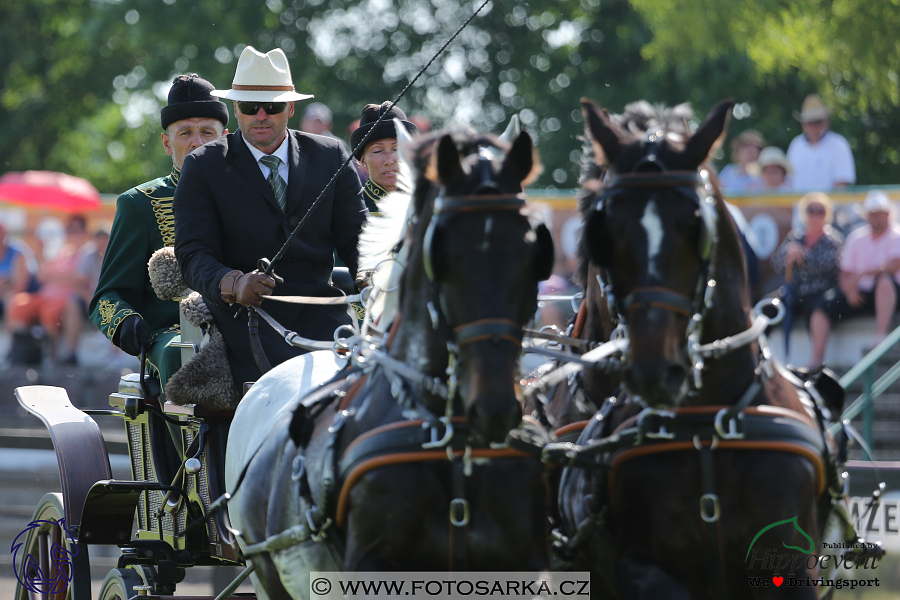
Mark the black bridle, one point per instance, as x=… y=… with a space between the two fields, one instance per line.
x=686 y=184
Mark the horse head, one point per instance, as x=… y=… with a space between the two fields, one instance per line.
x=658 y=231
x=471 y=282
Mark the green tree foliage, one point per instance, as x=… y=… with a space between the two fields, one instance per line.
x=845 y=50
x=83 y=80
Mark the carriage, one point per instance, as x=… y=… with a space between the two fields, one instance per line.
x=161 y=519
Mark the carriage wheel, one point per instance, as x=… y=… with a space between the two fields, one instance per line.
x=119 y=585
x=49 y=579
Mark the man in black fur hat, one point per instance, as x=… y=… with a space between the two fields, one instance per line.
x=124 y=306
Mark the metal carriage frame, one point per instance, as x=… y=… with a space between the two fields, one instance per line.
x=161 y=519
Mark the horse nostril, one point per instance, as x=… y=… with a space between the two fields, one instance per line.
x=674 y=378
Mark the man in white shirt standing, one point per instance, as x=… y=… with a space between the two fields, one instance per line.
x=822 y=159
x=870 y=276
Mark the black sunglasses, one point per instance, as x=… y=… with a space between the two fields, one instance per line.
x=811 y=210
x=271 y=108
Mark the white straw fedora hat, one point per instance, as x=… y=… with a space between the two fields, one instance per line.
x=262 y=78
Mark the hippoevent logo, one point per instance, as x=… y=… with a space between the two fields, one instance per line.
x=789 y=566
x=28 y=568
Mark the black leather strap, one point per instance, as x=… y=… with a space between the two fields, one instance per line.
x=259 y=354
x=711 y=520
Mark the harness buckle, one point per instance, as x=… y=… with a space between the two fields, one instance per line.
x=313 y=515
x=443 y=441
x=732 y=433
x=709 y=508
x=459 y=512
x=662 y=433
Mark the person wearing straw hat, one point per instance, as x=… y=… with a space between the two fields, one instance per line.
x=870 y=276
x=238 y=201
x=774 y=170
x=124 y=306
x=821 y=158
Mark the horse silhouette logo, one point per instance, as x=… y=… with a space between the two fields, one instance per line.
x=793 y=520
x=28 y=568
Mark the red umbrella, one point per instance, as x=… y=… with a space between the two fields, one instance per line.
x=46 y=189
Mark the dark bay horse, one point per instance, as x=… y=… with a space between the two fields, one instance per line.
x=408 y=469
x=713 y=444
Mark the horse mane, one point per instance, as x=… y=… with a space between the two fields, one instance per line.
x=638 y=118
x=383 y=231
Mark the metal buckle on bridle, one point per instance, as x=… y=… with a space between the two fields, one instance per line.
x=662 y=432
x=732 y=433
x=456 y=505
x=709 y=508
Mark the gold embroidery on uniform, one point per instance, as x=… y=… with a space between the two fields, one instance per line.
x=165 y=219
x=107 y=310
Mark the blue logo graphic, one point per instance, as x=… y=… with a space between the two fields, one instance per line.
x=28 y=568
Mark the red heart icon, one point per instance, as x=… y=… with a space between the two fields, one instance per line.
x=777 y=581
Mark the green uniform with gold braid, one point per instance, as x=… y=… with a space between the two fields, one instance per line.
x=143 y=224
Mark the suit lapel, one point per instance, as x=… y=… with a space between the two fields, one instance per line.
x=246 y=164
x=297 y=174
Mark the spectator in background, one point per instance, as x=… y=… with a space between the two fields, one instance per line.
x=822 y=159
x=809 y=260
x=87 y=271
x=317 y=119
x=422 y=122
x=743 y=172
x=868 y=284
x=14 y=274
x=59 y=281
x=775 y=170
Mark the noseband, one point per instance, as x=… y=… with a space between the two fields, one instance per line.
x=686 y=184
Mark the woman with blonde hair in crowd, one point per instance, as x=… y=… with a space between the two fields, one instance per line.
x=809 y=259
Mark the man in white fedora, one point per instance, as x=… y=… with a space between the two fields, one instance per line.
x=239 y=199
x=822 y=159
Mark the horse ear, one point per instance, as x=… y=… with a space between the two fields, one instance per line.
x=521 y=162
x=708 y=136
x=512 y=130
x=449 y=167
x=605 y=136
x=545 y=256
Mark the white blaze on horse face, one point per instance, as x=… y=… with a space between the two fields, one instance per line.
x=653 y=226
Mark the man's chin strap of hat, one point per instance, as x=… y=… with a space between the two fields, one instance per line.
x=362 y=144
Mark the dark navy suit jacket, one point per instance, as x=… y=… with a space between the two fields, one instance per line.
x=226 y=217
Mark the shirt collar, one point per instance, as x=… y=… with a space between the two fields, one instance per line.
x=175 y=174
x=281 y=152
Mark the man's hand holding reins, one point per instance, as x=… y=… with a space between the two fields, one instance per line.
x=247 y=289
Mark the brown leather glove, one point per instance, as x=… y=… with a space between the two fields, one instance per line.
x=250 y=288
